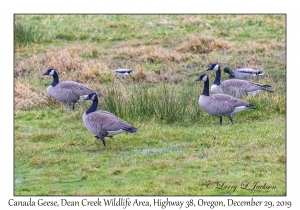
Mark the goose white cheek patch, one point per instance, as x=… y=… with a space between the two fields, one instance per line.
x=51 y=73
x=216 y=67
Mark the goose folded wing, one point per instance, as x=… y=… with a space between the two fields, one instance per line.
x=225 y=104
x=76 y=87
x=108 y=121
x=248 y=70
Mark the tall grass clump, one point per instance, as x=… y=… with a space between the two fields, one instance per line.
x=170 y=103
x=166 y=102
x=25 y=34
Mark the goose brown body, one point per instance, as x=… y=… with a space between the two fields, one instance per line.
x=239 y=88
x=235 y=87
x=220 y=104
x=68 y=92
x=103 y=123
x=123 y=72
x=243 y=73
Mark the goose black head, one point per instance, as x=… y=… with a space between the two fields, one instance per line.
x=214 y=66
x=49 y=72
x=202 y=77
x=92 y=96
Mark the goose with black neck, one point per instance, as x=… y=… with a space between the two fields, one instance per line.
x=69 y=92
x=220 y=104
x=235 y=87
x=103 y=123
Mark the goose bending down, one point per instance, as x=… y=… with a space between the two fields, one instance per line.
x=69 y=92
x=103 y=123
x=243 y=73
x=220 y=104
x=123 y=72
x=235 y=87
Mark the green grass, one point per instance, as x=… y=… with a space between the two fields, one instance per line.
x=178 y=148
x=158 y=160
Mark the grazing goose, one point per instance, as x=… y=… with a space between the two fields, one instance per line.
x=69 y=92
x=235 y=87
x=220 y=104
x=243 y=73
x=123 y=72
x=103 y=123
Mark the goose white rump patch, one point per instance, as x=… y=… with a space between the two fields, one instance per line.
x=254 y=93
x=82 y=98
x=239 y=109
x=112 y=133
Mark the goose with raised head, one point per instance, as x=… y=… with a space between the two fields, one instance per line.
x=103 y=123
x=68 y=92
x=243 y=73
x=123 y=72
x=220 y=104
x=235 y=87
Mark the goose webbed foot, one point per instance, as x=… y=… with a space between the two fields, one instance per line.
x=220 y=120
x=102 y=139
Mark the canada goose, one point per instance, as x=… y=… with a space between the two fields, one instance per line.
x=123 y=72
x=220 y=104
x=243 y=73
x=69 y=92
x=235 y=87
x=103 y=123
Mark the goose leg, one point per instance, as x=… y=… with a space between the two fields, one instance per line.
x=102 y=139
x=230 y=117
x=220 y=120
x=72 y=106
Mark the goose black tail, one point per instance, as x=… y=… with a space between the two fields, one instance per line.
x=251 y=106
x=268 y=88
x=131 y=129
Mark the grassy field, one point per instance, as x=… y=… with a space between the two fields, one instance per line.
x=178 y=149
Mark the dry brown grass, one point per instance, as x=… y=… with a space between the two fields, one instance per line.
x=27 y=96
x=151 y=54
x=203 y=44
x=93 y=65
x=66 y=59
